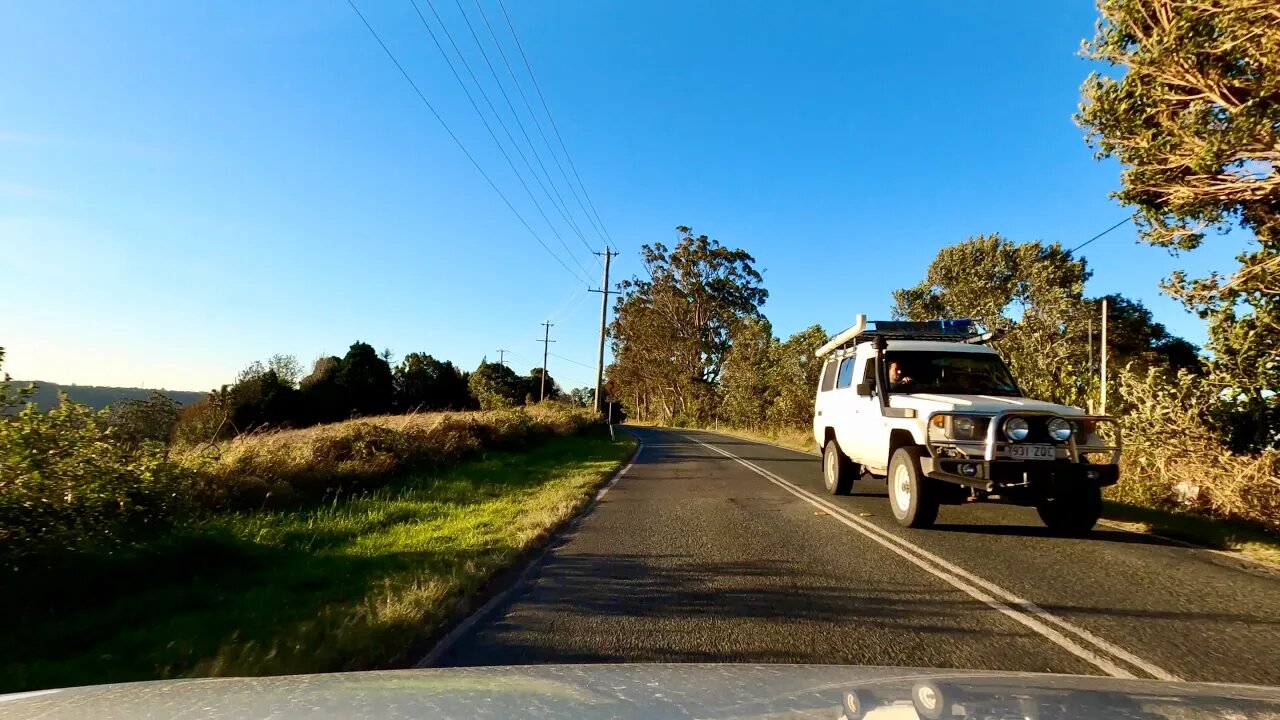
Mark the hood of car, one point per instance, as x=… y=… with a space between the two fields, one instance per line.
x=652 y=691
x=925 y=403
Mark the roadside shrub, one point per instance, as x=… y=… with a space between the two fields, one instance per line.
x=138 y=421
x=68 y=480
x=1175 y=457
x=202 y=422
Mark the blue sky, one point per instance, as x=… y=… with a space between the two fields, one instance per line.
x=188 y=187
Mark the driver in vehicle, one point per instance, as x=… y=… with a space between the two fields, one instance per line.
x=897 y=378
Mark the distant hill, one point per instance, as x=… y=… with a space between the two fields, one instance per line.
x=98 y=397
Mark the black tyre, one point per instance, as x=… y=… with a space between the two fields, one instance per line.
x=930 y=699
x=912 y=496
x=1072 y=514
x=838 y=471
x=856 y=704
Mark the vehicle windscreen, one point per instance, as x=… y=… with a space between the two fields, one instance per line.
x=949 y=373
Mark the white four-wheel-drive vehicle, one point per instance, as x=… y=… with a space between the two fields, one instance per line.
x=934 y=409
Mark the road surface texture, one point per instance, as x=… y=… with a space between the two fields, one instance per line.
x=715 y=549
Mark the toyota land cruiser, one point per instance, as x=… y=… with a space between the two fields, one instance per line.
x=934 y=409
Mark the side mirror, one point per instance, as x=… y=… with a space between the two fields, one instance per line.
x=867 y=388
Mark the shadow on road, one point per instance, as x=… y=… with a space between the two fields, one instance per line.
x=1039 y=531
x=592 y=608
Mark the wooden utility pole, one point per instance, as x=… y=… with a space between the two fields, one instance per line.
x=546 y=343
x=502 y=356
x=1090 y=343
x=1104 y=356
x=604 y=324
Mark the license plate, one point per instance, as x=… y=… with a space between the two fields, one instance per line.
x=1033 y=452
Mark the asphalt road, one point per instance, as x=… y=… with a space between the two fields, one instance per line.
x=715 y=549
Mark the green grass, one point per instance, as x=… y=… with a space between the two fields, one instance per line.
x=1248 y=540
x=344 y=586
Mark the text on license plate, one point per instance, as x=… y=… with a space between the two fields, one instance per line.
x=1032 y=452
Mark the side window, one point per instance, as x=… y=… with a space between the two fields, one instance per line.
x=846 y=373
x=829 y=375
x=869 y=372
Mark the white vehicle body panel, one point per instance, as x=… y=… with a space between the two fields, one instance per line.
x=860 y=428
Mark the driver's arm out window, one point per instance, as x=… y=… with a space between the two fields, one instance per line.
x=846 y=373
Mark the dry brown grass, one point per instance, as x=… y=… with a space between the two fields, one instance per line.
x=1173 y=460
x=283 y=467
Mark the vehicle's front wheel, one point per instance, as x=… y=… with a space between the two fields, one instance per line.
x=1073 y=513
x=838 y=471
x=912 y=496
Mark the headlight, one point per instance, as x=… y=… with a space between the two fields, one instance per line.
x=1016 y=429
x=963 y=426
x=1059 y=429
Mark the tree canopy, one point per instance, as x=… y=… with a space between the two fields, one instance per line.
x=672 y=331
x=422 y=382
x=1193 y=116
x=1034 y=294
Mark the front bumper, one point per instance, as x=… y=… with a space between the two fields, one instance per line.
x=1089 y=458
x=1004 y=476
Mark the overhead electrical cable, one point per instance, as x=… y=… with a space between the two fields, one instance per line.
x=453 y=136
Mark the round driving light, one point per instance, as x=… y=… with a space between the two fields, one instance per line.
x=968 y=469
x=1016 y=429
x=1059 y=429
x=963 y=425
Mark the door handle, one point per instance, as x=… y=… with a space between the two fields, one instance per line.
x=819 y=413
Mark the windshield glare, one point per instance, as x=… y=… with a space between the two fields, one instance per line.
x=949 y=372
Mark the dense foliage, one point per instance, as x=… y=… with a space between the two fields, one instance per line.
x=768 y=383
x=76 y=478
x=362 y=383
x=422 y=382
x=1193 y=116
x=1034 y=294
x=672 y=332
x=68 y=477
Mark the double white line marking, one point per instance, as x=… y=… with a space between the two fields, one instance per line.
x=1085 y=645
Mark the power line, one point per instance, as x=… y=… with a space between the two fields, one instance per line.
x=458 y=142
x=571 y=307
x=568 y=360
x=556 y=130
x=536 y=123
x=1104 y=232
x=560 y=207
x=467 y=91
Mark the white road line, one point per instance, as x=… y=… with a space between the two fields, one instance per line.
x=1018 y=609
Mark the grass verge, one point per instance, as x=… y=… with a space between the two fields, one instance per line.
x=347 y=585
x=1249 y=541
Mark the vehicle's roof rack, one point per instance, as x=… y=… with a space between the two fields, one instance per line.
x=961 y=331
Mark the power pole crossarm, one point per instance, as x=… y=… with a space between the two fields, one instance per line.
x=502 y=356
x=604 y=325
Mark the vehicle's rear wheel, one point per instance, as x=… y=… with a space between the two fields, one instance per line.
x=1073 y=513
x=838 y=471
x=930 y=700
x=857 y=703
x=912 y=496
